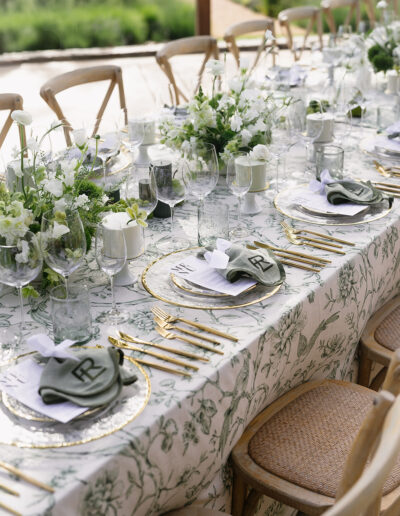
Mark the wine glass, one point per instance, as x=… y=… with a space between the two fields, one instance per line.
x=111 y=254
x=108 y=147
x=282 y=138
x=140 y=188
x=135 y=134
x=343 y=123
x=63 y=242
x=168 y=179
x=19 y=265
x=238 y=179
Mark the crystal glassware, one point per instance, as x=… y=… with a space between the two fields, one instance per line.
x=238 y=179
x=63 y=242
x=19 y=265
x=108 y=147
x=111 y=254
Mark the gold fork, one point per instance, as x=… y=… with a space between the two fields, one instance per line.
x=387 y=171
x=297 y=241
x=289 y=231
x=169 y=335
x=169 y=326
x=290 y=228
x=292 y=253
x=315 y=267
x=162 y=314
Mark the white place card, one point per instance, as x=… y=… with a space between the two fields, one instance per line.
x=201 y=273
x=22 y=383
x=319 y=204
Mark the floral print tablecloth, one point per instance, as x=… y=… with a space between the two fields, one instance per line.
x=177 y=451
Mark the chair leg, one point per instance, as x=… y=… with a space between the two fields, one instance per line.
x=364 y=371
x=377 y=382
x=238 y=494
x=251 y=503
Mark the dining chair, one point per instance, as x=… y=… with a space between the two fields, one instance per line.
x=295 y=450
x=67 y=80
x=248 y=27
x=379 y=340
x=195 y=511
x=192 y=45
x=11 y=102
x=312 y=13
x=328 y=6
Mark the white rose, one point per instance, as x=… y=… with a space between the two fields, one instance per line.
x=259 y=153
x=215 y=67
x=21 y=117
x=236 y=122
x=79 y=136
x=59 y=230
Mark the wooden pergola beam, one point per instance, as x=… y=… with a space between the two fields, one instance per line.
x=203 y=17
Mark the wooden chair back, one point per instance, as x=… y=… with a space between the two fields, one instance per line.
x=248 y=27
x=13 y=102
x=328 y=5
x=301 y=13
x=193 y=45
x=378 y=439
x=62 y=82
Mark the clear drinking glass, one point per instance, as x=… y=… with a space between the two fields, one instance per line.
x=238 y=179
x=213 y=223
x=19 y=265
x=343 y=123
x=70 y=313
x=110 y=250
x=331 y=158
x=63 y=242
x=170 y=187
x=135 y=134
x=140 y=188
x=108 y=147
x=282 y=138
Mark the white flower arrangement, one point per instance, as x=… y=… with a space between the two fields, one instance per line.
x=383 y=45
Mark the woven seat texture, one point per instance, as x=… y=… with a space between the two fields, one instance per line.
x=307 y=442
x=388 y=332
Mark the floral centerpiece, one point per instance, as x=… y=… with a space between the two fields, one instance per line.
x=384 y=47
x=232 y=121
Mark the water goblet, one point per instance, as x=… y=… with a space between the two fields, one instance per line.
x=20 y=263
x=111 y=254
x=140 y=188
x=63 y=242
x=108 y=147
x=238 y=179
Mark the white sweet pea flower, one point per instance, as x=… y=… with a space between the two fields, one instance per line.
x=16 y=152
x=269 y=36
x=53 y=186
x=60 y=204
x=236 y=84
x=59 y=230
x=250 y=114
x=245 y=136
x=16 y=168
x=215 y=67
x=79 y=136
x=32 y=145
x=259 y=153
x=236 y=122
x=21 y=117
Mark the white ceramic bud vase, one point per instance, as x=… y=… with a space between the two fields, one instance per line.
x=134 y=239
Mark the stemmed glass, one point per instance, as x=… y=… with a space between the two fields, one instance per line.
x=135 y=134
x=170 y=187
x=108 y=147
x=343 y=123
x=19 y=265
x=139 y=187
x=238 y=178
x=282 y=138
x=63 y=242
x=111 y=254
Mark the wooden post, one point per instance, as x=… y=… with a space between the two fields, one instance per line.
x=203 y=17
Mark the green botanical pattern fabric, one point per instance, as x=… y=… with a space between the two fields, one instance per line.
x=177 y=450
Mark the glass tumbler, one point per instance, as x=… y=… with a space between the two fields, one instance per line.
x=331 y=158
x=70 y=313
x=213 y=224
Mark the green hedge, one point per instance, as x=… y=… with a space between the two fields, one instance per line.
x=95 y=26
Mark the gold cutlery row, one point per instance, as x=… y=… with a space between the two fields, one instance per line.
x=392 y=171
x=169 y=335
x=293 y=253
x=18 y=473
x=162 y=314
x=315 y=233
x=295 y=263
x=168 y=326
x=9 y=509
x=161 y=367
x=121 y=344
x=317 y=244
x=393 y=192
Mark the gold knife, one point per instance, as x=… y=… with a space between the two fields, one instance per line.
x=10 y=509
x=294 y=253
x=135 y=340
x=159 y=366
x=121 y=344
x=9 y=490
x=24 y=476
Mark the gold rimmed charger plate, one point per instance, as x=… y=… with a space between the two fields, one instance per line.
x=39 y=433
x=156 y=279
x=284 y=204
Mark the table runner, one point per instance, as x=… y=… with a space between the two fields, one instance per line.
x=176 y=451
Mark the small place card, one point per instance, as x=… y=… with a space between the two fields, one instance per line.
x=22 y=383
x=201 y=273
x=319 y=204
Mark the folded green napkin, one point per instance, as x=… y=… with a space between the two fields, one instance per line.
x=357 y=192
x=94 y=380
x=258 y=264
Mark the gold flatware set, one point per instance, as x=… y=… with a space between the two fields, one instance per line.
x=392 y=171
x=325 y=243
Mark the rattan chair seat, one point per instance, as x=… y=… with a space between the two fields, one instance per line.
x=307 y=442
x=387 y=333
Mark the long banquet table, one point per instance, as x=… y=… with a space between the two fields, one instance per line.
x=176 y=451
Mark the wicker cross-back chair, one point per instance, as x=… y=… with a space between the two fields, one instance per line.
x=62 y=82
x=300 y=449
x=11 y=102
x=248 y=27
x=193 y=45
